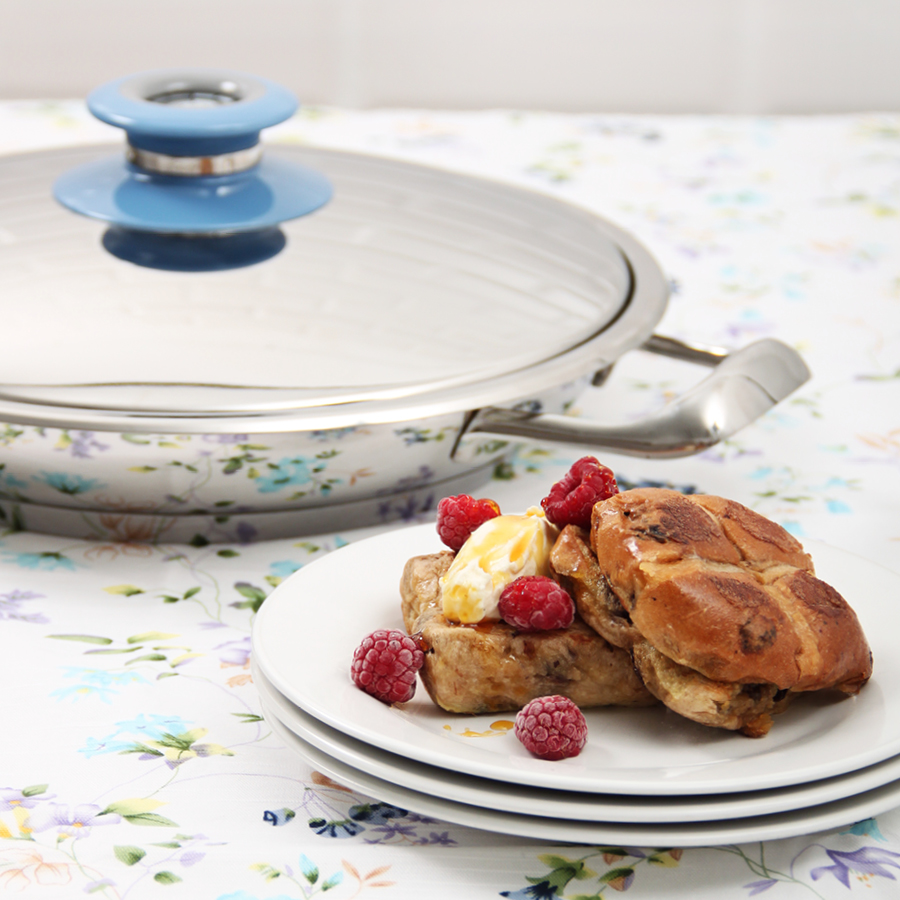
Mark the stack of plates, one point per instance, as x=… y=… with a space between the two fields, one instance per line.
x=646 y=777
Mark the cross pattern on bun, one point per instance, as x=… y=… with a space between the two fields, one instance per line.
x=492 y=667
x=719 y=606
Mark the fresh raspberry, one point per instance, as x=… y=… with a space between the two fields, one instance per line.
x=536 y=603
x=458 y=517
x=571 y=499
x=385 y=665
x=551 y=727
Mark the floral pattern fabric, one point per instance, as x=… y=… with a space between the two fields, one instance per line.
x=134 y=760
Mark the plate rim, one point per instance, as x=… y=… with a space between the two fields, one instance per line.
x=379 y=762
x=777 y=826
x=423 y=539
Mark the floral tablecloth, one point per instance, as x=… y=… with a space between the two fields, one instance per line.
x=133 y=759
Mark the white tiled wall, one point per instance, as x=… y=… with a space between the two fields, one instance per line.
x=608 y=55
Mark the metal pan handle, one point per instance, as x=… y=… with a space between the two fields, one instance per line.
x=744 y=385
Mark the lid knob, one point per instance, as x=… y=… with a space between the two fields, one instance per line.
x=193 y=163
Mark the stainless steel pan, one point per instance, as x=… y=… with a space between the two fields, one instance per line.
x=378 y=353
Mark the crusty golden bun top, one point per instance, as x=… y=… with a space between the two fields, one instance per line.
x=717 y=587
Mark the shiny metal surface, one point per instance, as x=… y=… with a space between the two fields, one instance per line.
x=687 y=352
x=743 y=386
x=187 y=166
x=334 y=380
x=414 y=292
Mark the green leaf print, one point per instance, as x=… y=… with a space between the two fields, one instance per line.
x=150 y=819
x=563 y=871
x=255 y=596
x=127 y=590
x=310 y=869
x=166 y=878
x=34 y=790
x=617 y=874
x=84 y=638
x=139 y=811
x=147 y=636
x=128 y=854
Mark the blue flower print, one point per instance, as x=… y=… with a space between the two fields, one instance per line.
x=281 y=568
x=70 y=822
x=543 y=890
x=153 y=726
x=77 y=691
x=407 y=509
x=226 y=438
x=284 y=473
x=94 y=682
x=311 y=873
x=237 y=652
x=46 y=562
x=10 y=603
x=376 y=813
x=94 y=747
x=278 y=817
x=243 y=895
x=10 y=480
x=67 y=483
x=101 y=677
x=81 y=443
x=867 y=828
x=344 y=828
x=441 y=840
x=394 y=829
x=13 y=798
x=420 y=479
x=865 y=861
x=757 y=887
x=145 y=727
x=333 y=434
x=422 y=820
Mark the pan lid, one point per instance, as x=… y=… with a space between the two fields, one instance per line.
x=412 y=291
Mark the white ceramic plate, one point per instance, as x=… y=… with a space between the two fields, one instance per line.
x=307 y=630
x=830 y=816
x=499 y=795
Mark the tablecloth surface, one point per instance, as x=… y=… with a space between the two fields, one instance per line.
x=134 y=761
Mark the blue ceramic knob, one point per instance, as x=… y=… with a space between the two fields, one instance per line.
x=193 y=162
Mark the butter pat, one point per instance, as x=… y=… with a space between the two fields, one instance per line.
x=499 y=551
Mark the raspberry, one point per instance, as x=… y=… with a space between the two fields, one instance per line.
x=571 y=499
x=551 y=727
x=458 y=517
x=385 y=665
x=536 y=603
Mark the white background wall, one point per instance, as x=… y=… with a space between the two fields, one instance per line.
x=758 y=56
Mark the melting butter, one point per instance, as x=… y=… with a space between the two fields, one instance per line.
x=499 y=551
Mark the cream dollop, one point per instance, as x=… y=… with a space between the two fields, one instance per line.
x=499 y=551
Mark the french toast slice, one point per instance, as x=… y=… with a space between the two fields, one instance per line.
x=719 y=606
x=492 y=667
